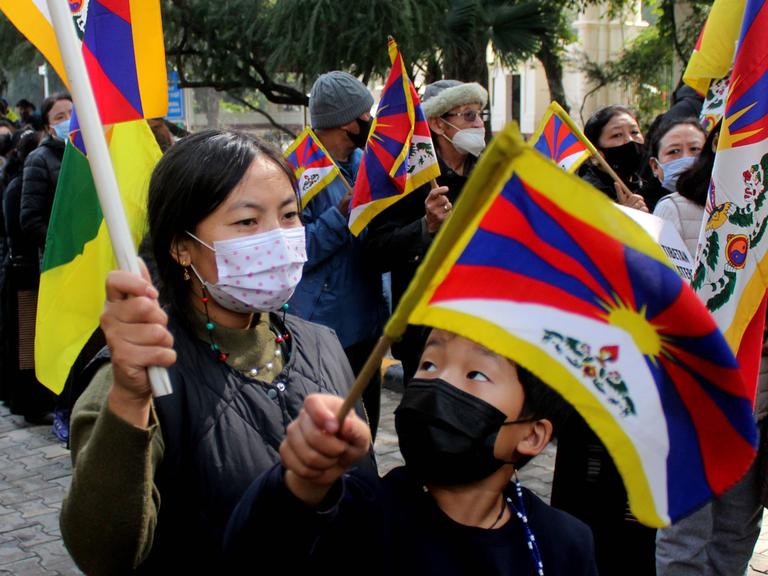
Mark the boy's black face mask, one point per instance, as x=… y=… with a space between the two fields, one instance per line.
x=447 y=435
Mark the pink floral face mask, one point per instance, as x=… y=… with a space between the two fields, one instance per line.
x=257 y=273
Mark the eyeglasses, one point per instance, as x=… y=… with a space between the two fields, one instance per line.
x=469 y=115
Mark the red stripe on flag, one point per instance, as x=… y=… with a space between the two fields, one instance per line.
x=549 y=135
x=698 y=322
x=726 y=379
x=108 y=97
x=121 y=8
x=486 y=282
x=605 y=252
x=749 y=65
x=750 y=352
x=506 y=220
x=721 y=446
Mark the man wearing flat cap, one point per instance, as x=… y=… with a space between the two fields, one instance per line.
x=399 y=237
x=337 y=288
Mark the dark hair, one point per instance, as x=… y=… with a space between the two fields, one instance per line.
x=540 y=401
x=694 y=182
x=664 y=126
x=189 y=182
x=594 y=126
x=24 y=103
x=48 y=104
x=23 y=142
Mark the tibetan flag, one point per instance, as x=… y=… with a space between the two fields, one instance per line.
x=713 y=54
x=732 y=265
x=399 y=156
x=540 y=267
x=32 y=19
x=559 y=139
x=125 y=58
x=312 y=165
x=78 y=251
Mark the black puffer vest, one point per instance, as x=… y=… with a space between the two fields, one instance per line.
x=221 y=430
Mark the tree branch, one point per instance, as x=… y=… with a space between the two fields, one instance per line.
x=263 y=113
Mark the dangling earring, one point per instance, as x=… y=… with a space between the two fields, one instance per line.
x=186 y=271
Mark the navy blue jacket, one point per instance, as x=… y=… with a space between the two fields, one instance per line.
x=338 y=289
x=392 y=526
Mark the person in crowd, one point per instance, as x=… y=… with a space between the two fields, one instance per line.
x=155 y=480
x=400 y=236
x=38 y=188
x=719 y=538
x=615 y=133
x=466 y=423
x=6 y=112
x=41 y=170
x=682 y=141
x=7 y=130
x=339 y=289
x=683 y=161
x=21 y=391
x=28 y=114
x=586 y=482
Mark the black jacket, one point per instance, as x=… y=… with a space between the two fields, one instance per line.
x=41 y=172
x=397 y=241
x=392 y=526
x=221 y=430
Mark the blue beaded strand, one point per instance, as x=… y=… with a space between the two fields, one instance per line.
x=519 y=510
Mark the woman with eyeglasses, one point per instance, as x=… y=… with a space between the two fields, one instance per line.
x=399 y=237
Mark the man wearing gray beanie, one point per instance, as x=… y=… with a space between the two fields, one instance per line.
x=337 y=289
x=399 y=237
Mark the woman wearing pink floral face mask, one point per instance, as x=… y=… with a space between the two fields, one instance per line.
x=228 y=244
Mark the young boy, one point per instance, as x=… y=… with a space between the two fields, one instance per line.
x=467 y=420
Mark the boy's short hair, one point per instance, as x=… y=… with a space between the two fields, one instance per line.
x=542 y=401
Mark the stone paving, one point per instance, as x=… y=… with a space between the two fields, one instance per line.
x=35 y=473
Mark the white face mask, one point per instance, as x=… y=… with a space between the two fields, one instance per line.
x=257 y=273
x=468 y=140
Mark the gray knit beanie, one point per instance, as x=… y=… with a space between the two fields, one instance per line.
x=336 y=99
x=444 y=95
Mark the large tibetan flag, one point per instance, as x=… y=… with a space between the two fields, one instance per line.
x=732 y=269
x=559 y=139
x=399 y=156
x=78 y=251
x=313 y=166
x=713 y=54
x=540 y=267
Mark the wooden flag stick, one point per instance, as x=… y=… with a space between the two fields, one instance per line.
x=607 y=167
x=371 y=365
x=99 y=159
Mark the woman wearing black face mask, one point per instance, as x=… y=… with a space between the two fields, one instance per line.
x=615 y=133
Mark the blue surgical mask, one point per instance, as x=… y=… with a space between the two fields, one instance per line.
x=673 y=169
x=62 y=129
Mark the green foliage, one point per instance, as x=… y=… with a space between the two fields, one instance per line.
x=646 y=67
x=222 y=45
x=309 y=37
x=741 y=217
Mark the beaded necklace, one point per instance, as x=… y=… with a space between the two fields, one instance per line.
x=520 y=512
x=280 y=339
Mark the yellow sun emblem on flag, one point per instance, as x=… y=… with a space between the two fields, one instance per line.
x=635 y=323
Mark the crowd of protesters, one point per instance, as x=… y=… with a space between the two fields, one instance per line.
x=245 y=457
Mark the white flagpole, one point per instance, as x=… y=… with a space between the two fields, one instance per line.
x=99 y=158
